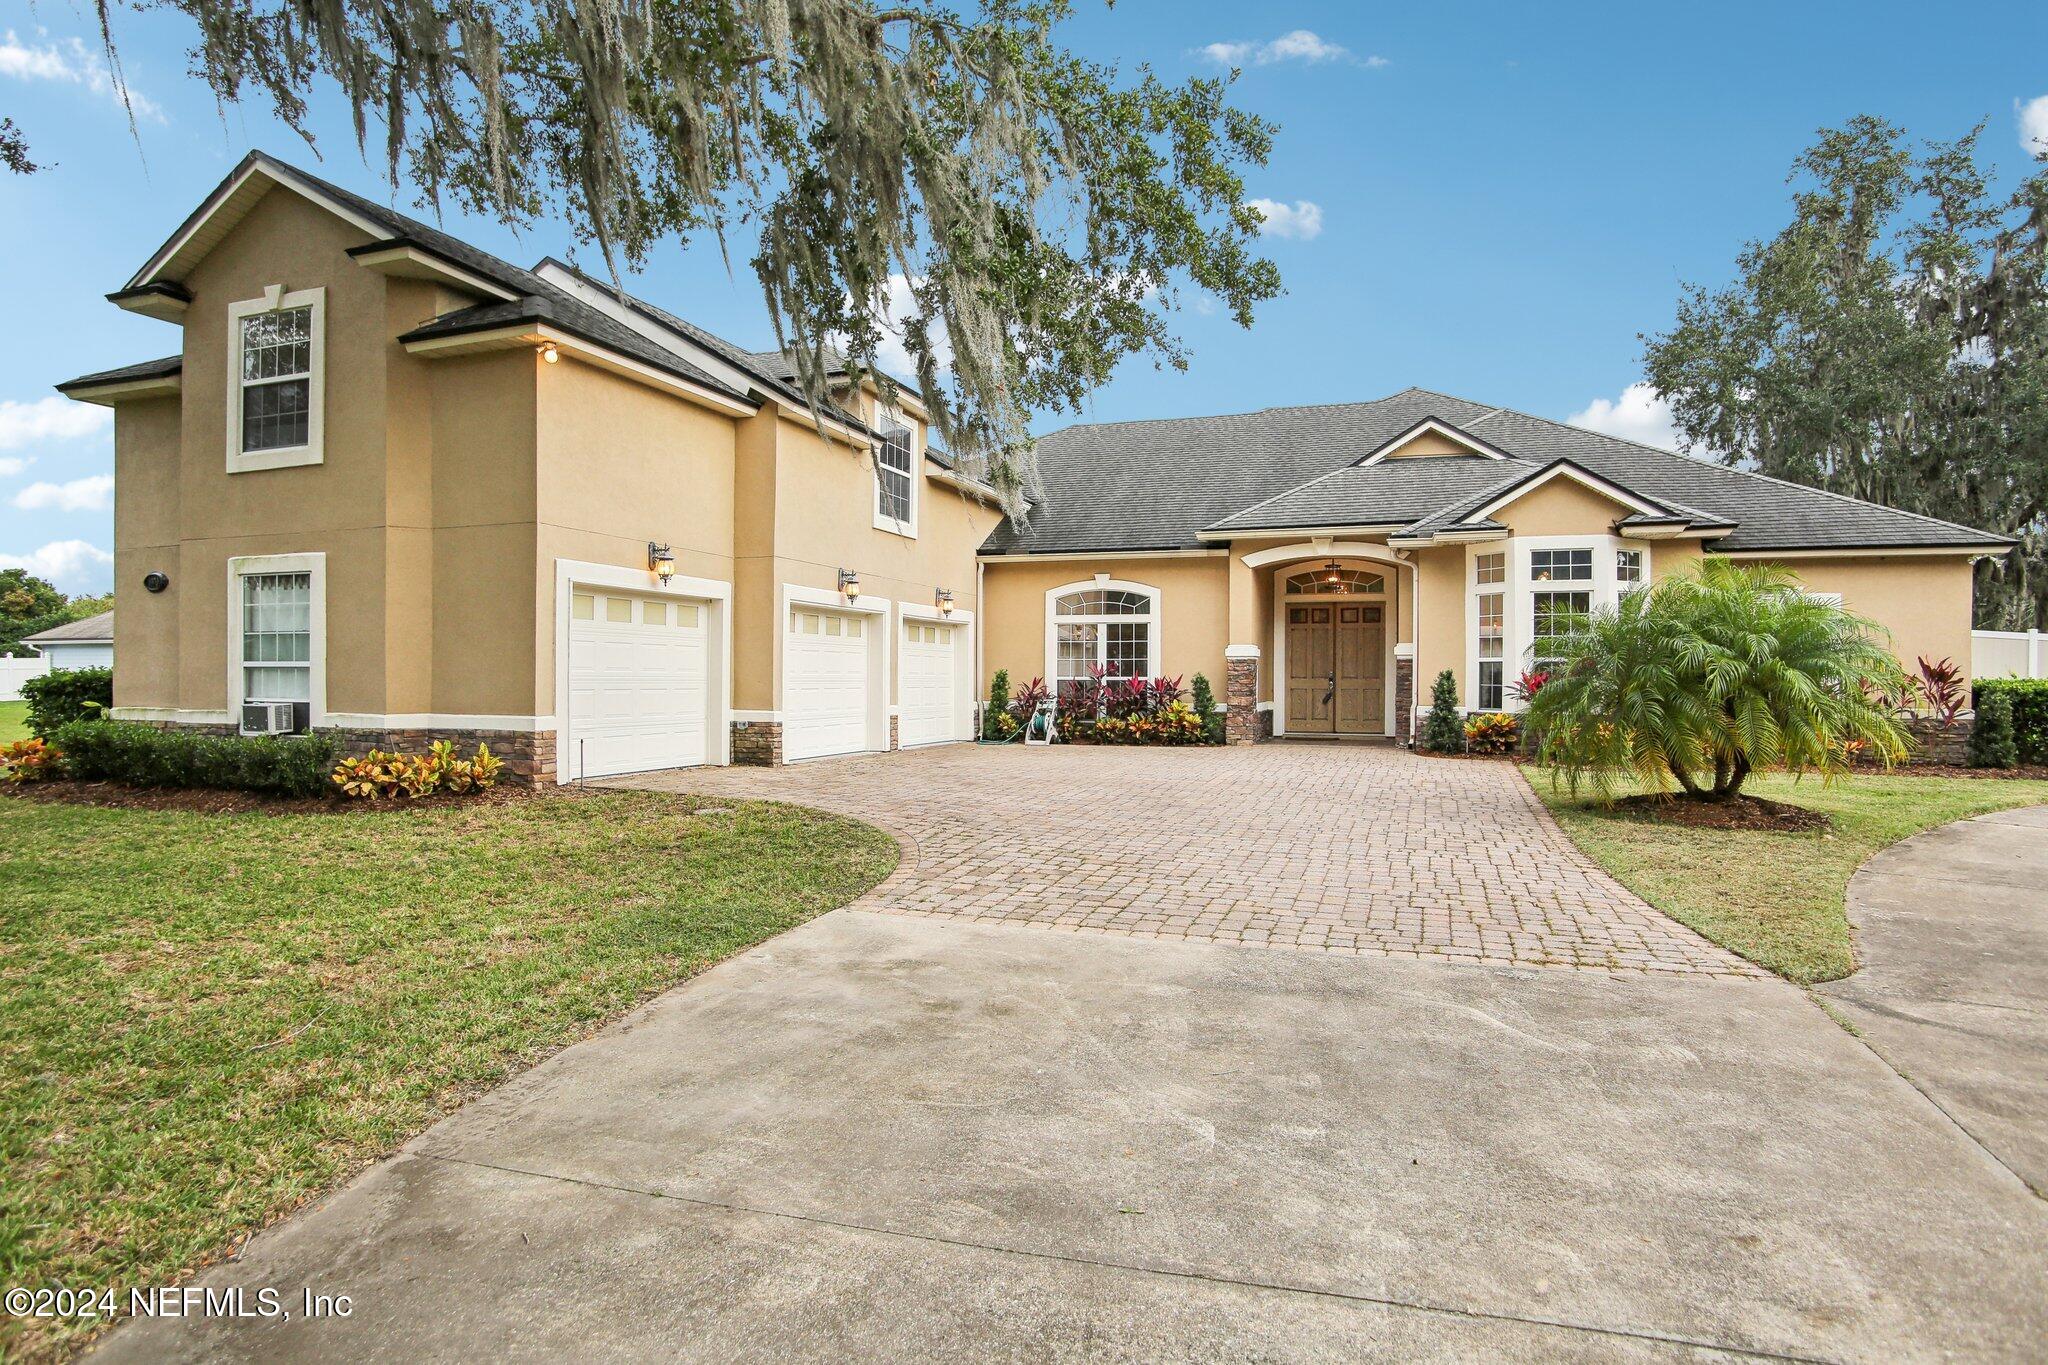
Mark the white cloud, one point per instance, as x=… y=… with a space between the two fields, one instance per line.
x=10 y=465
x=1640 y=414
x=1303 y=221
x=1298 y=46
x=49 y=419
x=70 y=564
x=2033 y=121
x=95 y=493
x=71 y=62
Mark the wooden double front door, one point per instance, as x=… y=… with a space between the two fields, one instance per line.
x=1336 y=668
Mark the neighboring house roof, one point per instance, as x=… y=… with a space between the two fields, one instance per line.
x=90 y=630
x=1182 y=483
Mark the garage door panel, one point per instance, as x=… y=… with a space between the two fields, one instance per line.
x=825 y=701
x=928 y=677
x=639 y=671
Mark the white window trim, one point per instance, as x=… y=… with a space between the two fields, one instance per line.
x=314 y=566
x=907 y=527
x=1521 y=589
x=284 y=457
x=1101 y=582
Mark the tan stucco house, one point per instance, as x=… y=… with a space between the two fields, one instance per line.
x=393 y=486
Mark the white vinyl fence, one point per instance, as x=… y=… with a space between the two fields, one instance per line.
x=15 y=672
x=2008 y=654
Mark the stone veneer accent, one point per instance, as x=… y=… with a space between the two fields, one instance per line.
x=1931 y=742
x=1404 y=698
x=757 y=743
x=1241 y=694
x=893 y=745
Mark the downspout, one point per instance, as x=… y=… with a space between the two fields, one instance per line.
x=980 y=645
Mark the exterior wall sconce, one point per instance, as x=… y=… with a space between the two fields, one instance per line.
x=156 y=580
x=661 y=561
x=849 y=584
x=945 y=601
x=549 y=352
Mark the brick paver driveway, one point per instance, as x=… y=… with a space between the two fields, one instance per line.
x=1348 y=848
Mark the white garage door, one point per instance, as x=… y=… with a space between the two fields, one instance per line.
x=825 y=683
x=639 y=670
x=928 y=709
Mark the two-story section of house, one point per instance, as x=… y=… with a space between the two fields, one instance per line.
x=393 y=486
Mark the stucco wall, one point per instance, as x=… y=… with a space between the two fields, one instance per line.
x=1193 y=608
x=1923 y=601
x=147 y=483
x=1561 y=507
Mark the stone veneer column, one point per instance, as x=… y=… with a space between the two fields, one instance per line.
x=1241 y=694
x=1404 y=693
x=757 y=743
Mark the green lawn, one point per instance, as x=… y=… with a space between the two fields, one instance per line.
x=1775 y=898
x=13 y=721
x=206 y=1020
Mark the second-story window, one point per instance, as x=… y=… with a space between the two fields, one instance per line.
x=895 y=475
x=274 y=380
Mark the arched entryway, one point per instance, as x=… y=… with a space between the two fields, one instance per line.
x=1333 y=652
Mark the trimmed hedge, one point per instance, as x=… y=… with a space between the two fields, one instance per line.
x=74 y=694
x=2029 y=698
x=142 y=756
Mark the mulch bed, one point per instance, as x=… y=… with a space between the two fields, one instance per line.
x=2033 y=772
x=1737 y=812
x=209 y=801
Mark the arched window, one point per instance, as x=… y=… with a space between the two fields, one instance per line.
x=1336 y=581
x=1114 y=626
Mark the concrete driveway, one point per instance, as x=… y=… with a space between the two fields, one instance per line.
x=889 y=1136
x=1952 y=932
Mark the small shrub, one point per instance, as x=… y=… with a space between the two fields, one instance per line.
x=378 y=774
x=997 y=713
x=2029 y=700
x=1492 y=732
x=57 y=699
x=1205 y=707
x=1524 y=688
x=1941 y=687
x=1025 y=701
x=1443 y=732
x=28 y=760
x=1176 y=724
x=1991 y=738
x=141 y=756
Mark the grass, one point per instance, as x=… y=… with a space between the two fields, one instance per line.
x=13 y=721
x=206 y=1020
x=1776 y=899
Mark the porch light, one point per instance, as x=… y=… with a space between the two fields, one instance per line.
x=945 y=601
x=1333 y=572
x=661 y=561
x=849 y=584
x=548 y=352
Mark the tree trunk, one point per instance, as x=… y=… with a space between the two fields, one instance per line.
x=1692 y=788
x=1729 y=785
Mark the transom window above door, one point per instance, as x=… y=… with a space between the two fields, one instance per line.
x=1337 y=581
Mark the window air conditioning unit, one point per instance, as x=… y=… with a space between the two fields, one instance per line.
x=269 y=717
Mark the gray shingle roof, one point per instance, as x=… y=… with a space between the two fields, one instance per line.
x=87 y=630
x=147 y=369
x=1158 y=485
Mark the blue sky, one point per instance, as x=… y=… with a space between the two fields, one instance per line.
x=1491 y=200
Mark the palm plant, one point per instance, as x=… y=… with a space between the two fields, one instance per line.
x=1709 y=676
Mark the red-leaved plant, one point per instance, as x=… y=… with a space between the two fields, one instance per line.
x=1529 y=684
x=1941 y=687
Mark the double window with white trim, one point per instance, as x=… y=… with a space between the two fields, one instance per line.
x=1526 y=595
x=276 y=377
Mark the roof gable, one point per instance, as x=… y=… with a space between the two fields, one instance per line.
x=1427 y=439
